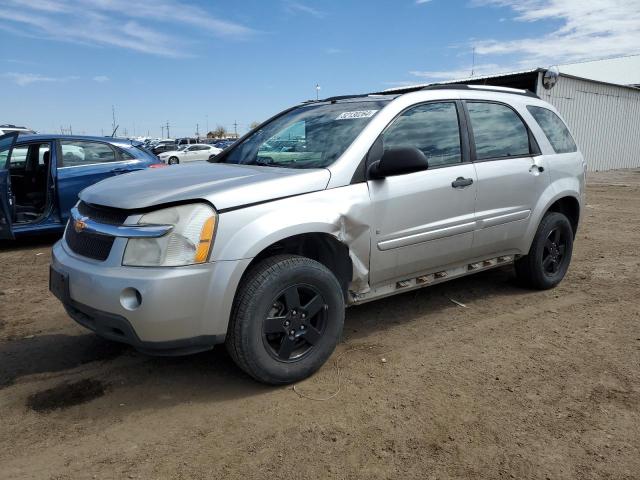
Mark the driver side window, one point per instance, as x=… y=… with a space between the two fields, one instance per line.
x=433 y=128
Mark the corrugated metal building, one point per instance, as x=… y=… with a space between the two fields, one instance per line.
x=604 y=117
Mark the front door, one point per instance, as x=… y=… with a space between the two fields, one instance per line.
x=511 y=176
x=424 y=220
x=6 y=198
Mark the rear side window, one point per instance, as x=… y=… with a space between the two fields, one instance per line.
x=125 y=155
x=75 y=153
x=433 y=128
x=498 y=131
x=554 y=128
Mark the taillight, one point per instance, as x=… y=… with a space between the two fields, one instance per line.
x=157 y=165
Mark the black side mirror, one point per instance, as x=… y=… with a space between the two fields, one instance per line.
x=398 y=161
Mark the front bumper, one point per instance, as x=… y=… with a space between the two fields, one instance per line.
x=182 y=309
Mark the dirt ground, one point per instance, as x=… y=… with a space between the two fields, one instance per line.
x=517 y=384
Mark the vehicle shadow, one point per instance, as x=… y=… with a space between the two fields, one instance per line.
x=158 y=382
x=52 y=353
x=44 y=241
x=363 y=320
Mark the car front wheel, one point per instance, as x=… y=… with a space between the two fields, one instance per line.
x=287 y=318
x=173 y=161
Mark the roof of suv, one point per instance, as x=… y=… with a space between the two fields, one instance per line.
x=397 y=92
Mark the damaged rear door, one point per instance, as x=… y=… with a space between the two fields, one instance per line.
x=7 y=143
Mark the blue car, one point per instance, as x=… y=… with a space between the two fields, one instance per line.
x=41 y=176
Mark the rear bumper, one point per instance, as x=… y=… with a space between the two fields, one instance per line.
x=181 y=309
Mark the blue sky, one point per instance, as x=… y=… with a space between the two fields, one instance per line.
x=65 y=62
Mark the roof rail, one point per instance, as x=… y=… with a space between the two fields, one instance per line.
x=445 y=86
x=458 y=86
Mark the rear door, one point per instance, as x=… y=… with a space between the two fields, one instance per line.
x=82 y=163
x=203 y=152
x=190 y=154
x=7 y=143
x=511 y=175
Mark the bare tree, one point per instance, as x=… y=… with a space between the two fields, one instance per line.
x=219 y=132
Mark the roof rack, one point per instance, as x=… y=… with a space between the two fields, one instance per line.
x=458 y=86
x=445 y=86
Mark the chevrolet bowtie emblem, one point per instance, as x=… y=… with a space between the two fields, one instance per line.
x=79 y=225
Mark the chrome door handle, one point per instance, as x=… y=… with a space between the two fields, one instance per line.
x=461 y=182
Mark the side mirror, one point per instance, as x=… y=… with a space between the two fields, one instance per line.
x=399 y=161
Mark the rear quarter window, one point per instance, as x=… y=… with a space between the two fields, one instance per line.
x=554 y=128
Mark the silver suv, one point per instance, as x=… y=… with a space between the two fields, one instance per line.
x=328 y=204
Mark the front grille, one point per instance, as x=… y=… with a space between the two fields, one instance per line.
x=89 y=245
x=108 y=215
x=92 y=245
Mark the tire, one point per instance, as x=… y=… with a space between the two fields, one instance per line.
x=277 y=338
x=173 y=161
x=550 y=253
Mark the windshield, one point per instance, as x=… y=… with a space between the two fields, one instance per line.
x=310 y=136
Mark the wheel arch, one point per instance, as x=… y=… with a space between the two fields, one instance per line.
x=319 y=246
x=569 y=206
x=566 y=202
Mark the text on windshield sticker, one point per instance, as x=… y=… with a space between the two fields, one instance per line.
x=356 y=114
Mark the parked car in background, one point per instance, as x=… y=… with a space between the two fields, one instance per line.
x=224 y=143
x=41 y=179
x=379 y=195
x=8 y=128
x=186 y=141
x=189 y=153
x=163 y=147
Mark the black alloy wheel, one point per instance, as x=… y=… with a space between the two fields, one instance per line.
x=549 y=257
x=295 y=323
x=286 y=320
x=554 y=252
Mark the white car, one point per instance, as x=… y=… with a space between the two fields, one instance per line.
x=7 y=128
x=192 y=153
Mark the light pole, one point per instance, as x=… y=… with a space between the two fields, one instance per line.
x=317 y=92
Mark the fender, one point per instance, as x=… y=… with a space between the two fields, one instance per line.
x=343 y=212
x=561 y=188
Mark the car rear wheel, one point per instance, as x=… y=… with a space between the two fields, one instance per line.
x=550 y=254
x=173 y=161
x=287 y=318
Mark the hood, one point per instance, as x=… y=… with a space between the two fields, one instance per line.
x=224 y=185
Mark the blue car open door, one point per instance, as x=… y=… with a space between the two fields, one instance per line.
x=6 y=198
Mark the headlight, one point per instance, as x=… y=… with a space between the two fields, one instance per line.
x=189 y=242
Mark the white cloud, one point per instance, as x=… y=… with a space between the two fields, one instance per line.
x=24 y=79
x=420 y=2
x=297 y=7
x=454 y=74
x=589 y=29
x=117 y=23
x=332 y=51
x=101 y=78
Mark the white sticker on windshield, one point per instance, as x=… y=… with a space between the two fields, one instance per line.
x=356 y=114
